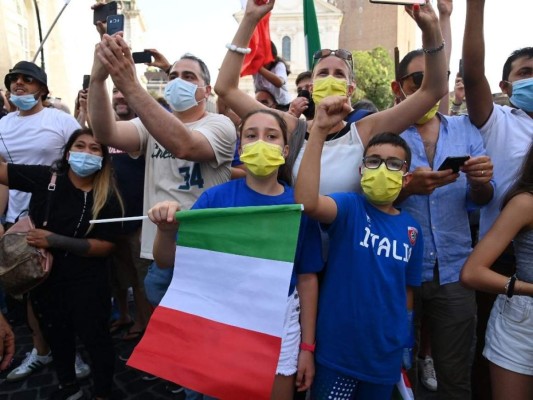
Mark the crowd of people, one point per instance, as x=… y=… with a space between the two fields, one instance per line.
x=388 y=274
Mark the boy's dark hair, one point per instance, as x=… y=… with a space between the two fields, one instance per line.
x=404 y=64
x=303 y=75
x=526 y=52
x=392 y=139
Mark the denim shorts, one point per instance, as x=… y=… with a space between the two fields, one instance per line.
x=509 y=337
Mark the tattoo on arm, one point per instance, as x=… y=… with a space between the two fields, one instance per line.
x=77 y=246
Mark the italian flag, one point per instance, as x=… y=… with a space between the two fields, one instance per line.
x=218 y=328
x=311 y=34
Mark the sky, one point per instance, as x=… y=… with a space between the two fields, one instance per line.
x=207 y=25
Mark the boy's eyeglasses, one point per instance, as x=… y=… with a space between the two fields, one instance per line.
x=25 y=78
x=340 y=53
x=392 y=163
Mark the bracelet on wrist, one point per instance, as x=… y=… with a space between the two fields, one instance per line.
x=435 y=49
x=307 y=347
x=509 y=287
x=456 y=105
x=236 y=49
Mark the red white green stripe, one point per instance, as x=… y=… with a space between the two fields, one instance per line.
x=218 y=328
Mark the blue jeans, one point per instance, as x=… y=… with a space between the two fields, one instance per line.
x=156 y=283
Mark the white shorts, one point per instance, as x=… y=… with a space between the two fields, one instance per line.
x=290 y=341
x=509 y=337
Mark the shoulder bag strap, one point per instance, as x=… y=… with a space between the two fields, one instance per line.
x=51 y=188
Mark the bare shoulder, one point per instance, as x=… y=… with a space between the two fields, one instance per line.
x=521 y=206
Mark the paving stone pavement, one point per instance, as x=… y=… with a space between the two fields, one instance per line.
x=128 y=381
x=38 y=386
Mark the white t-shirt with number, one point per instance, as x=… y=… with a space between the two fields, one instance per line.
x=169 y=178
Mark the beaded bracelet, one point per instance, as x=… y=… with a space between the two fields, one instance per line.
x=435 y=49
x=240 y=50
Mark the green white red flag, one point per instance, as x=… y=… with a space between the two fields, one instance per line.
x=218 y=328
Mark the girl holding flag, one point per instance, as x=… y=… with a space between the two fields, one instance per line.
x=263 y=138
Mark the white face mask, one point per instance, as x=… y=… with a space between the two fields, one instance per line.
x=181 y=95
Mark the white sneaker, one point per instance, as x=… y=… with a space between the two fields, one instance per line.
x=32 y=362
x=82 y=369
x=428 y=376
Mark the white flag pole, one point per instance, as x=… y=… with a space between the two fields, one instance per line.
x=124 y=219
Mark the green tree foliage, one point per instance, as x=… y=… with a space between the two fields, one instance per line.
x=374 y=71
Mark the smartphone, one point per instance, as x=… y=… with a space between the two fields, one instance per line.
x=86 y=81
x=461 y=68
x=304 y=93
x=103 y=11
x=140 y=57
x=453 y=163
x=115 y=23
x=399 y=2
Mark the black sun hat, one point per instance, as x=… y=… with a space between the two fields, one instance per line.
x=27 y=68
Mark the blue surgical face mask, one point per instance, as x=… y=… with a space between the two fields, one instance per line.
x=522 y=96
x=181 y=95
x=25 y=102
x=84 y=164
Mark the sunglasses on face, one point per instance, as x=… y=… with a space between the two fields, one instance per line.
x=392 y=163
x=340 y=53
x=25 y=78
x=417 y=78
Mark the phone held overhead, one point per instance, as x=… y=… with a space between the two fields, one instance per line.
x=102 y=11
x=140 y=57
x=115 y=23
x=86 y=81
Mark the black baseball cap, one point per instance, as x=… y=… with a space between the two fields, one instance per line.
x=27 y=68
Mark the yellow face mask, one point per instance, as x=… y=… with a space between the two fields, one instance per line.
x=430 y=114
x=262 y=158
x=380 y=185
x=328 y=86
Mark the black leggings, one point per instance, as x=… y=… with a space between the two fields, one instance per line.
x=83 y=309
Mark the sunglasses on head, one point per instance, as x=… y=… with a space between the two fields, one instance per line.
x=340 y=53
x=25 y=78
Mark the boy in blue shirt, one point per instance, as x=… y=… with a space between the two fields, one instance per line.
x=375 y=258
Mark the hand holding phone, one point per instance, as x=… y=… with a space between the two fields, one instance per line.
x=453 y=163
x=142 y=57
x=86 y=81
x=115 y=23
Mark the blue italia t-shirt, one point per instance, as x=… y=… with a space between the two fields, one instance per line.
x=236 y=193
x=362 y=315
